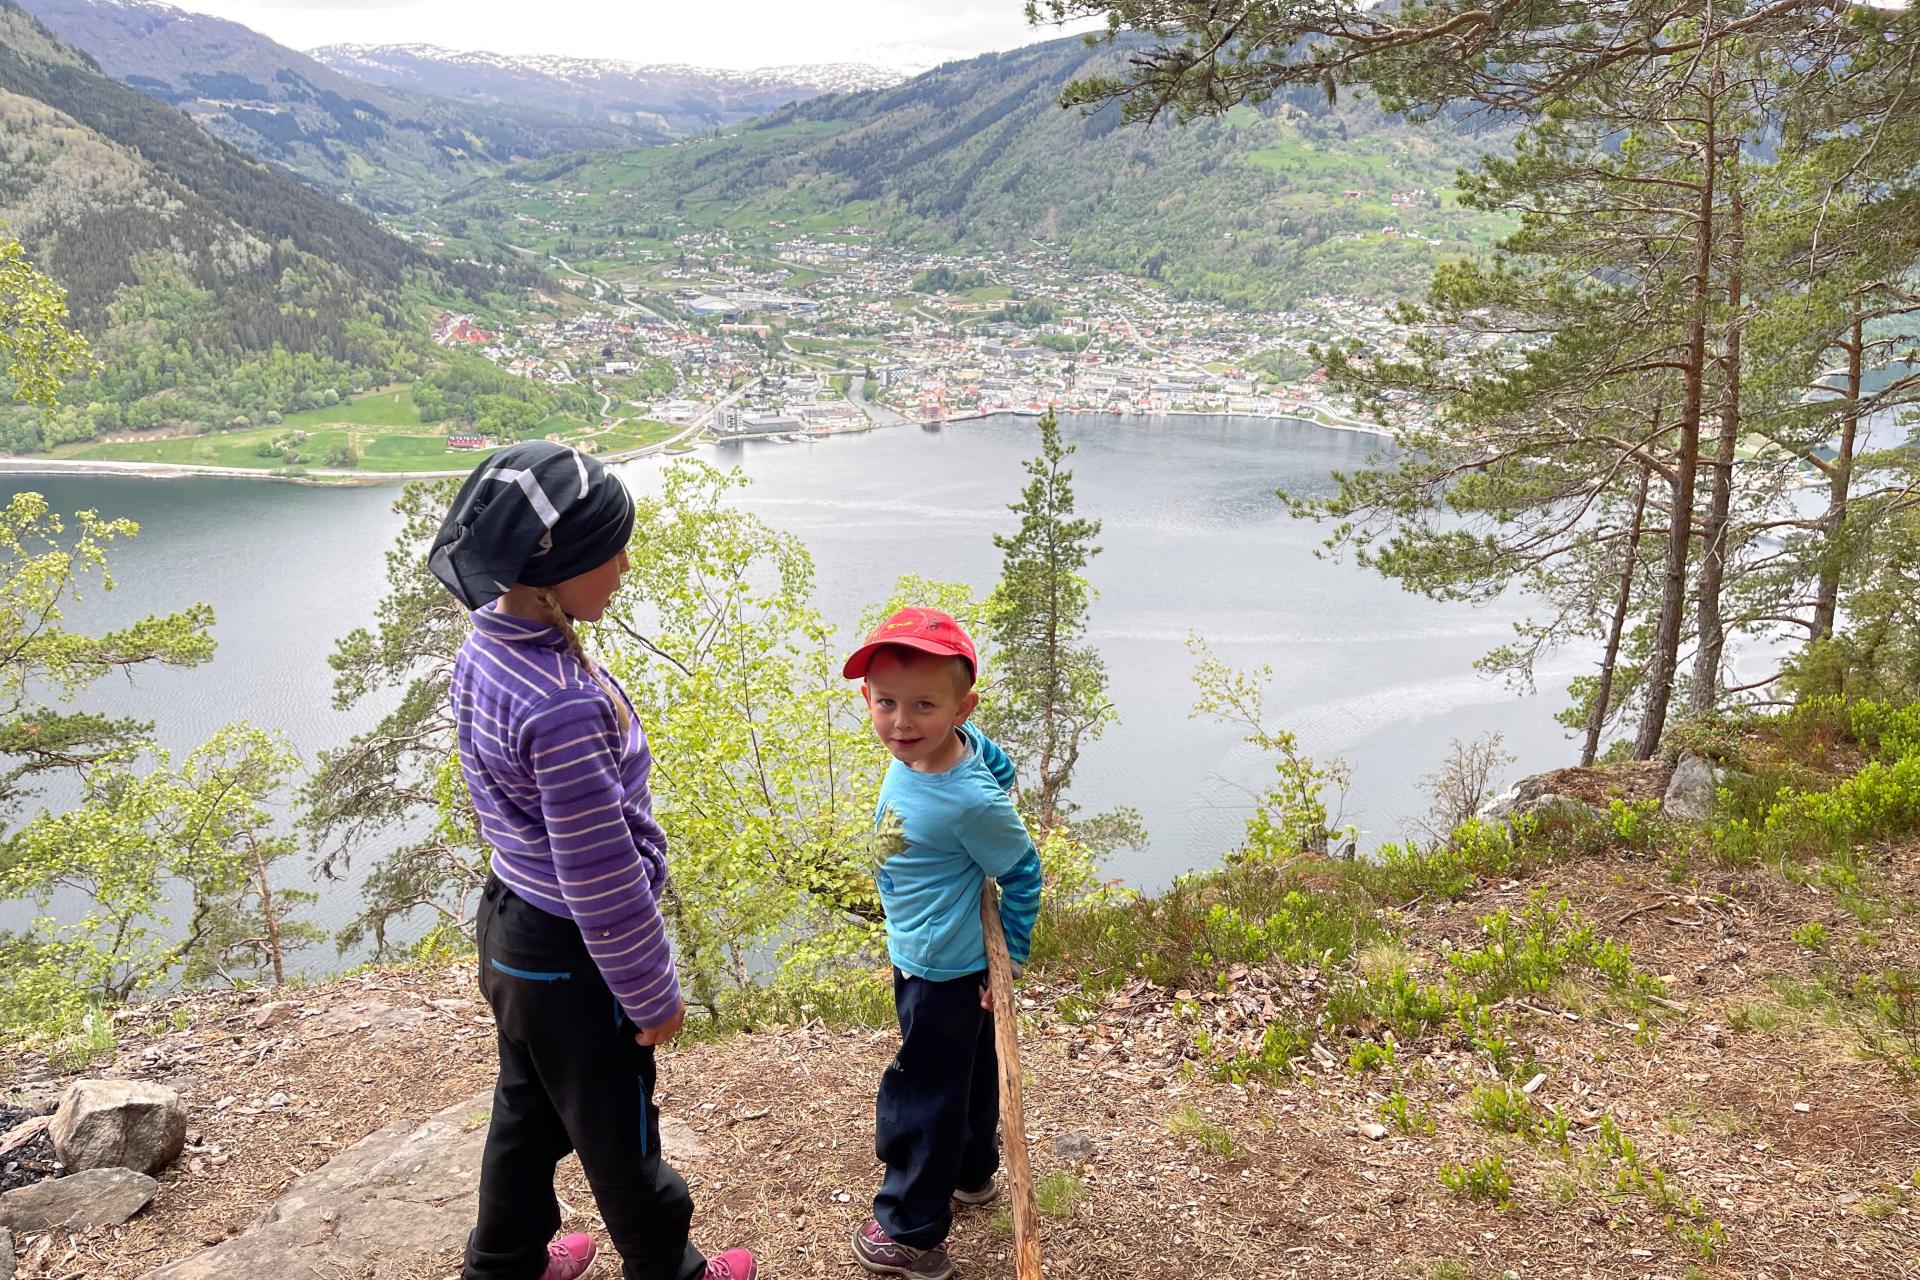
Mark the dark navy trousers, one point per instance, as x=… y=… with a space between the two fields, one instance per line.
x=572 y=1078
x=939 y=1107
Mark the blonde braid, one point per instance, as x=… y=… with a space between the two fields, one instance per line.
x=560 y=619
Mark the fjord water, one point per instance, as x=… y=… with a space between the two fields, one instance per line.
x=1193 y=540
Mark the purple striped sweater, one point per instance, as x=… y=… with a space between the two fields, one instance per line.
x=562 y=800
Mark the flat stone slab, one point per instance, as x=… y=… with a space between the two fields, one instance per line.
x=79 y=1201
x=380 y=1023
x=398 y=1194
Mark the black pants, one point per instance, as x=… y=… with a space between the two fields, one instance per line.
x=934 y=1123
x=572 y=1078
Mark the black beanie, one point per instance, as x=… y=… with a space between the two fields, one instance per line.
x=536 y=513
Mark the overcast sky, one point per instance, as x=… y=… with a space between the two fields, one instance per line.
x=714 y=33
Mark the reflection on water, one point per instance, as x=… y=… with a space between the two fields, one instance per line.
x=1193 y=541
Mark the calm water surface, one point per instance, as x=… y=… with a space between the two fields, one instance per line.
x=1193 y=538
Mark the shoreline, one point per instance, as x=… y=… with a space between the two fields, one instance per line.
x=320 y=477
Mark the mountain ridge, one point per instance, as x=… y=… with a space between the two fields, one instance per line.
x=672 y=98
x=214 y=287
x=1265 y=204
x=828 y=77
x=384 y=147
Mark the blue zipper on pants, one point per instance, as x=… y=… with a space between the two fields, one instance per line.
x=532 y=974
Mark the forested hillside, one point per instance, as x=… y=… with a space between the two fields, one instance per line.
x=214 y=287
x=1291 y=198
x=381 y=147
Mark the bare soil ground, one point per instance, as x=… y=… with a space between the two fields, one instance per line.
x=1803 y=1150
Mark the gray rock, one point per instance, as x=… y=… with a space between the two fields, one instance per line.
x=127 y=1124
x=93 y=1198
x=1530 y=796
x=273 y=1014
x=1077 y=1147
x=680 y=1143
x=1694 y=789
x=1374 y=1132
x=379 y=1023
x=6 y=1255
x=413 y=1182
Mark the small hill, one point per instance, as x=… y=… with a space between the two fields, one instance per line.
x=609 y=91
x=382 y=147
x=1264 y=205
x=209 y=282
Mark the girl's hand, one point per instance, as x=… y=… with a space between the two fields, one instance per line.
x=666 y=1030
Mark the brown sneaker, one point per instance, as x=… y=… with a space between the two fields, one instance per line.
x=985 y=1193
x=881 y=1254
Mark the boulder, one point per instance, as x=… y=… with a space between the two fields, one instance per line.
x=1530 y=796
x=1077 y=1147
x=126 y=1124
x=1694 y=788
x=273 y=1014
x=78 y=1202
x=6 y=1255
x=413 y=1182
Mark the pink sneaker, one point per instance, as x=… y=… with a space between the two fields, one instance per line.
x=569 y=1257
x=734 y=1264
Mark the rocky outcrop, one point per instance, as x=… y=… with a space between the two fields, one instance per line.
x=78 y=1202
x=124 y=1124
x=1531 y=796
x=1694 y=788
x=416 y=1183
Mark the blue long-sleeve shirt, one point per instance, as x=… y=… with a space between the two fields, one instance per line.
x=956 y=829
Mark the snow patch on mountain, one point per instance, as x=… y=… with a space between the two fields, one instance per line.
x=835 y=77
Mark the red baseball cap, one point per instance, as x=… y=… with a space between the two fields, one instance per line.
x=928 y=630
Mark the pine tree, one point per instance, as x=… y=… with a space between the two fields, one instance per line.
x=1050 y=685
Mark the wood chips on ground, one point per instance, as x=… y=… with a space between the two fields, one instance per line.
x=1803 y=1151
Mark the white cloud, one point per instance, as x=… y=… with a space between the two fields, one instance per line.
x=720 y=33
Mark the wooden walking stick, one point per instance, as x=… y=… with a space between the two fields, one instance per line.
x=1013 y=1122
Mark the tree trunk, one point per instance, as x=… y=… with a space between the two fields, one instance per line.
x=1050 y=747
x=1603 y=696
x=1673 y=591
x=267 y=913
x=1713 y=560
x=1826 y=604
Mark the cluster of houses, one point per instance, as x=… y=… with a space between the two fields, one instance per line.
x=456 y=329
x=1041 y=333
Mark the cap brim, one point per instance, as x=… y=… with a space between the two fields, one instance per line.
x=862 y=658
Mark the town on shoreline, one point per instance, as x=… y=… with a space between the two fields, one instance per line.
x=810 y=337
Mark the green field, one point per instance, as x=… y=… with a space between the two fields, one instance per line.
x=383 y=427
x=634 y=435
x=387 y=407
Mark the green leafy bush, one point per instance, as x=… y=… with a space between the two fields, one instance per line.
x=1811 y=935
x=1504 y=1109
x=1403 y=1116
x=1369 y=1056
x=1486 y=1179
x=1528 y=953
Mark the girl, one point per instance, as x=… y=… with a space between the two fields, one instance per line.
x=574 y=957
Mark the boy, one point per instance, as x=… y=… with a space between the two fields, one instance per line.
x=948 y=791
